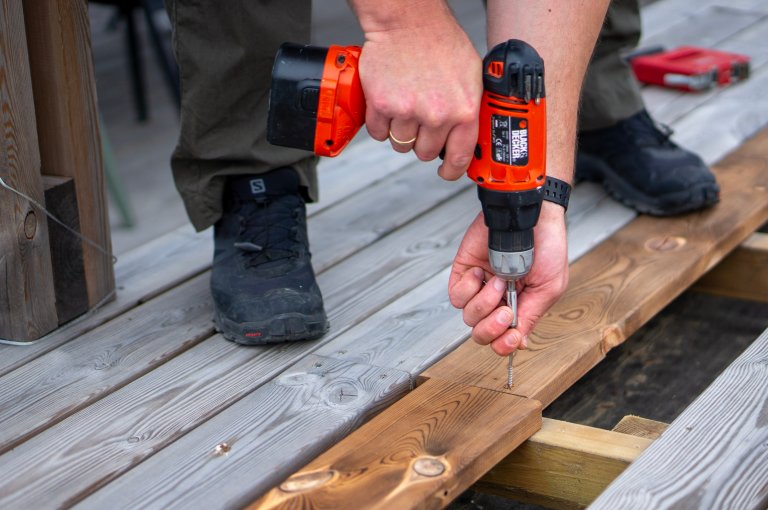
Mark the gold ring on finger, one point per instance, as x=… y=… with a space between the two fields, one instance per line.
x=400 y=142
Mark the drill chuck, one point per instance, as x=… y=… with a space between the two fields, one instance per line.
x=510 y=265
x=510 y=218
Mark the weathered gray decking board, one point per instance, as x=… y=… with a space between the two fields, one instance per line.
x=394 y=287
x=714 y=455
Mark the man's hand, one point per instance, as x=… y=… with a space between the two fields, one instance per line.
x=422 y=80
x=482 y=303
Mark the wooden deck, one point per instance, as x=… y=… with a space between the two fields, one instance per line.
x=141 y=404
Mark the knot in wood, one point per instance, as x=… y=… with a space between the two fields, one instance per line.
x=429 y=466
x=298 y=379
x=342 y=393
x=30 y=225
x=306 y=481
x=665 y=243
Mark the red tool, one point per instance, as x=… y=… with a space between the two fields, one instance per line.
x=689 y=68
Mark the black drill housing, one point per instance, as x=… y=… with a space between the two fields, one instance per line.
x=294 y=95
x=510 y=217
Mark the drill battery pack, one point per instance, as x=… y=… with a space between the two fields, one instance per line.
x=689 y=68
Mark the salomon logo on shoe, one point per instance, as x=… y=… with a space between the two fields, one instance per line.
x=258 y=186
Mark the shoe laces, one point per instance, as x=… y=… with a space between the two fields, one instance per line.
x=269 y=230
x=648 y=132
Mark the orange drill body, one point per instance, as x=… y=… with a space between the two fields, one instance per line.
x=511 y=144
x=341 y=104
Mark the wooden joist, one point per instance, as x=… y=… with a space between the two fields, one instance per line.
x=27 y=302
x=640 y=427
x=563 y=465
x=742 y=274
x=714 y=454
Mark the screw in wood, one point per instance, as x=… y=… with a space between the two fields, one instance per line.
x=510 y=370
x=429 y=466
x=222 y=449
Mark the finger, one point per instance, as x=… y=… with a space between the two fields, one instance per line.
x=430 y=142
x=402 y=134
x=484 y=302
x=462 y=286
x=377 y=124
x=459 y=151
x=508 y=342
x=493 y=326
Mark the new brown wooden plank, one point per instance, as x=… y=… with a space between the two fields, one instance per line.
x=27 y=303
x=563 y=465
x=623 y=282
x=742 y=274
x=58 y=35
x=422 y=452
x=714 y=454
x=66 y=249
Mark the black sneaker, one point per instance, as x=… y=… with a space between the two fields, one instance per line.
x=640 y=166
x=263 y=285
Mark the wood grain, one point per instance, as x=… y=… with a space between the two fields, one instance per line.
x=339 y=177
x=742 y=274
x=67 y=462
x=640 y=427
x=142 y=274
x=27 y=302
x=713 y=455
x=563 y=465
x=409 y=334
x=623 y=282
x=421 y=453
x=268 y=435
x=52 y=387
x=66 y=249
x=59 y=39
x=337 y=232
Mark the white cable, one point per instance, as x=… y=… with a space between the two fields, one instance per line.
x=77 y=234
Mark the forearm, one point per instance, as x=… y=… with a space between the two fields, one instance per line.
x=382 y=16
x=564 y=34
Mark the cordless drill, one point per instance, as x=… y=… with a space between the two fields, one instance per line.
x=317 y=104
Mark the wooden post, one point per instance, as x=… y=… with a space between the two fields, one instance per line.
x=27 y=307
x=58 y=37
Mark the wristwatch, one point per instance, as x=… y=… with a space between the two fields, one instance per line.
x=557 y=191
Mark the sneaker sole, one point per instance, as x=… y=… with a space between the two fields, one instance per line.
x=288 y=327
x=697 y=197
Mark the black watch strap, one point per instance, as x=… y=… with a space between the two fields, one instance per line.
x=557 y=191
